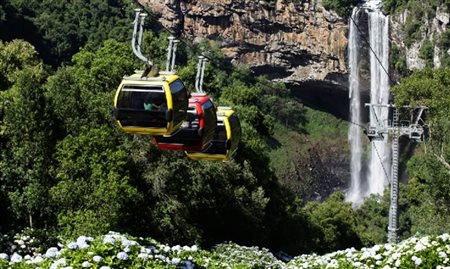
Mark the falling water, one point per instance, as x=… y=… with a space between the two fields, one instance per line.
x=378 y=166
x=379 y=162
x=354 y=194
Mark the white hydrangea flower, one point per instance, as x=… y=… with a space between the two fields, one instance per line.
x=161 y=257
x=16 y=258
x=388 y=247
x=444 y=237
x=166 y=248
x=83 y=246
x=188 y=265
x=194 y=248
x=4 y=256
x=97 y=258
x=72 y=245
x=333 y=264
x=125 y=242
x=175 y=261
x=52 y=252
x=105 y=267
x=143 y=256
x=365 y=255
x=122 y=256
x=58 y=263
x=37 y=259
x=419 y=247
x=396 y=255
x=442 y=254
x=86 y=264
x=418 y=261
x=108 y=239
x=176 y=248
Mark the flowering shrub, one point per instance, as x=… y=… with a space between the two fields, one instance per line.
x=425 y=252
x=22 y=244
x=115 y=250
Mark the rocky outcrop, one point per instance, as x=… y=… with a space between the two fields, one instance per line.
x=299 y=43
x=431 y=29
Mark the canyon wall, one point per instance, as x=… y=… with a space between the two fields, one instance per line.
x=300 y=43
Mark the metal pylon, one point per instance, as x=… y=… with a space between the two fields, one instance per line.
x=415 y=132
x=393 y=209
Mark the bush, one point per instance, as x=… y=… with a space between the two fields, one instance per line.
x=426 y=52
x=342 y=7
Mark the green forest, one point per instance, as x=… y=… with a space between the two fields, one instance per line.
x=66 y=169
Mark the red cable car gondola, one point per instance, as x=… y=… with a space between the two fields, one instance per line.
x=197 y=131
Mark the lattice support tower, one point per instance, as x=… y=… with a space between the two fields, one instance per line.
x=414 y=130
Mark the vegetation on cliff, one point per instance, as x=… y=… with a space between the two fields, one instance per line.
x=342 y=7
x=423 y=24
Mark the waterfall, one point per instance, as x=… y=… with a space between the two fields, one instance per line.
x=378 y=166
x=355 y=193
x=379 y=162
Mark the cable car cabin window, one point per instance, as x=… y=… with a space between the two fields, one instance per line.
x=142 y=106
x=180 y=100
x=187 y=134
x=218 y=144
x=209 y=115
x=191 y=119
x=235 y=127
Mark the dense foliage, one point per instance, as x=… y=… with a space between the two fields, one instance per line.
x=431 y=88
x=342 y=7
x=426 y=7
x=59 y=28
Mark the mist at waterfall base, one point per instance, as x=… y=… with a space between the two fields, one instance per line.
x=369 y=174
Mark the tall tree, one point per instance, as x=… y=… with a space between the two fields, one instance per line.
x=431 y=88
x=93 y=185
x=25 y=134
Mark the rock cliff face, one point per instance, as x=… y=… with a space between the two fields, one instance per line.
x=299 y=43
x=431 y=29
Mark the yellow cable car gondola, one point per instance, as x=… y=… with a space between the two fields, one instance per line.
x=151 y=105
x=226 y=139
x=149 y=102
